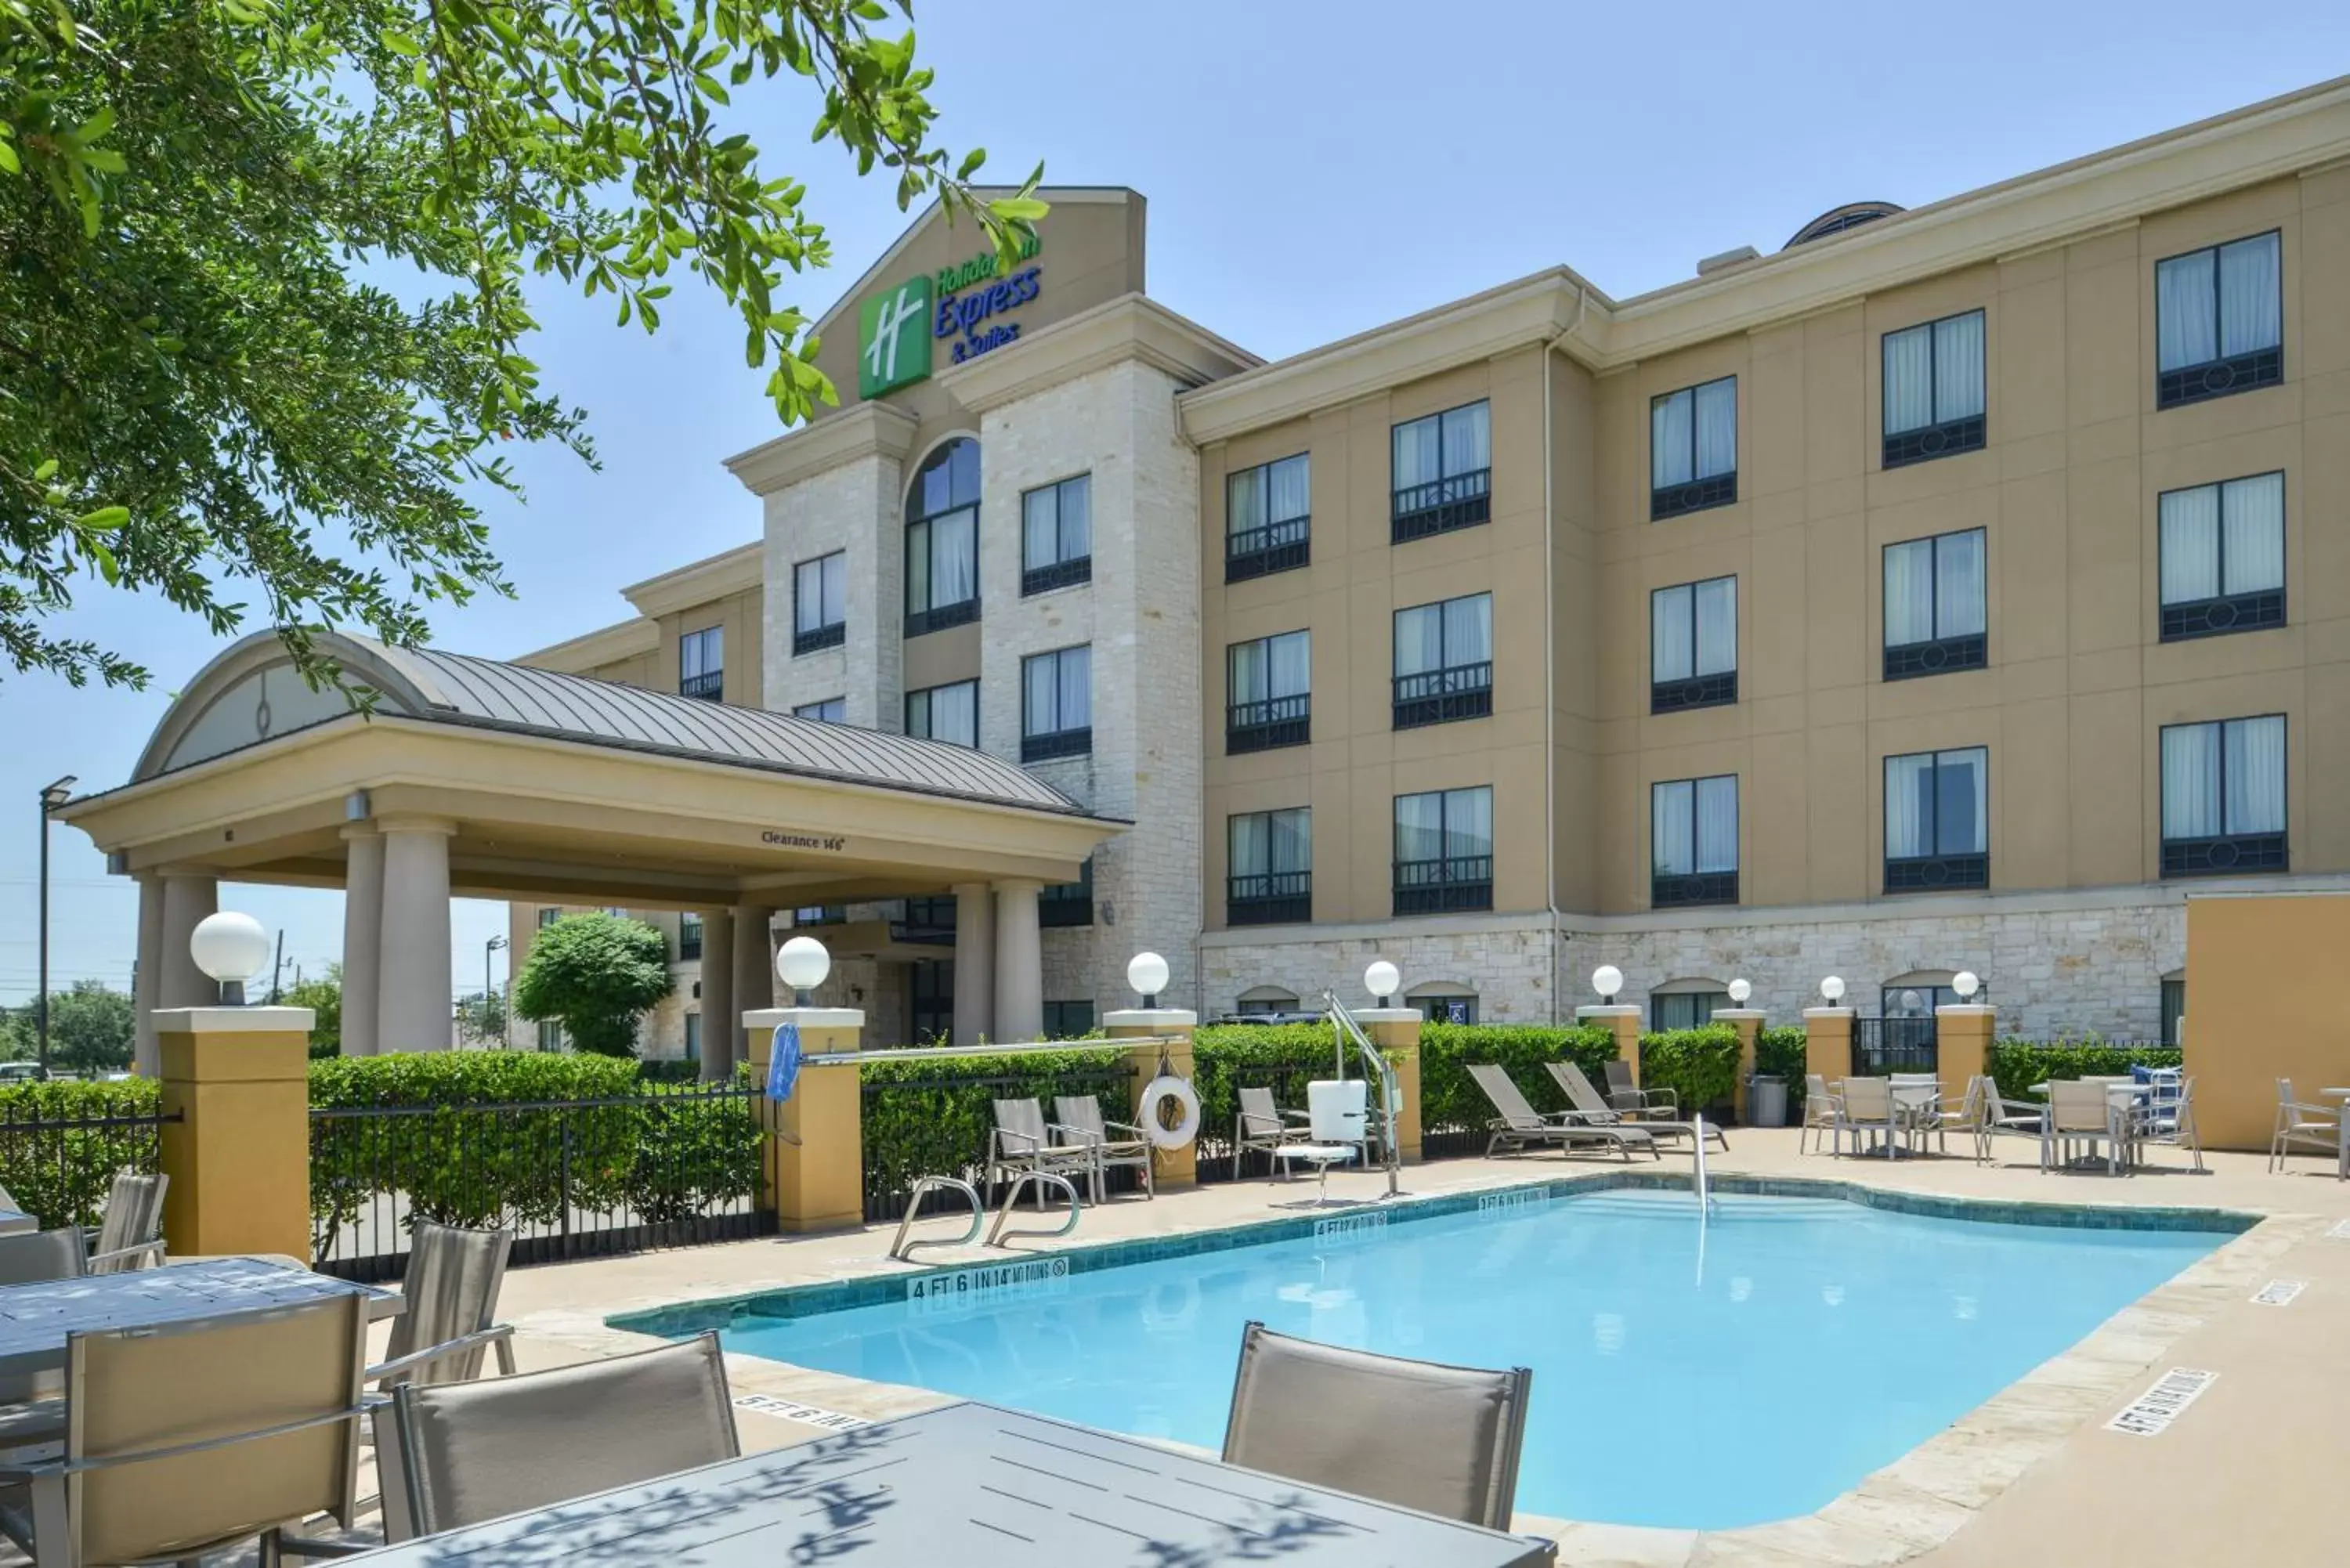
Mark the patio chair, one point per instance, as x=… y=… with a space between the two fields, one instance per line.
x=1022 y=1142
x=1866 y=1108
x=1823 y=1113
x=130 y=1235
x=1928 y=1112
x=1082 y=1121
x=481 y=1451
x=2166 y=1112
x=1596 y=1112
x=1625 y=1095
x=2080 y=1116
x=1417 y=1434
x=2002 y=1118
x=189 y=1437
x=1519 y=1127
x=2320 y=1127
x=1264 y=1127
x=451 y=1303
x=32 y=1404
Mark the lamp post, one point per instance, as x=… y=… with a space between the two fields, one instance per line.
x=492 y=945
x=56 y=796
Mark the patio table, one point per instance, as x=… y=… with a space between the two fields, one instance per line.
x=974 y=1486
x=34 y=1319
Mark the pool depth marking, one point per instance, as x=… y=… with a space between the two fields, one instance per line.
x=2151 y=1413
x=1490 y=1205
x=2279 y=1293
x=806 y=1415
x=1351 y=1226
x=987 y=1284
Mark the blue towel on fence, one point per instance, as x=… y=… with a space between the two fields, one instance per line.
x=784 y=1066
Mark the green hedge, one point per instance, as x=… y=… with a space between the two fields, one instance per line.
x=1785 y=1053
x=2016 y=1064
x=1699 y=1065
x=63 y=1175
x=932 y=1115
x=1228 y=1057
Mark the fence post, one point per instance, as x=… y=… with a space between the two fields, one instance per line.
x=1623 y=1021
x=1827 y=1044
x=1172 y=1026
x=1396 y=1032
x=1962 y=1037
x=1748 y=1022
x=818 y=1182
x=238 y=1078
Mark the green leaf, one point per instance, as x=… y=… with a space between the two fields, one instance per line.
x=971 y=163
x=108 y=567
x=402 y=44
x=46 y=471
x=1018 y=209
x=104 y=517
x=9 y=157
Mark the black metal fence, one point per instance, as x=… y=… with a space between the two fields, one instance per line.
x=942 y=1122
x=1882 y=1046
x=574 y=1178
x=60 y=1167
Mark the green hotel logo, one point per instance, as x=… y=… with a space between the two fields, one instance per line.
x=893 y=339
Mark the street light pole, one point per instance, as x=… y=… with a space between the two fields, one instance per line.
x=56 y=796
x=492 y=945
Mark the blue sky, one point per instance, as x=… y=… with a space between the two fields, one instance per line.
x=1313 y=169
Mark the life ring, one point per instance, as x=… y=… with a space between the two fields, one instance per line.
x=1154 y=1095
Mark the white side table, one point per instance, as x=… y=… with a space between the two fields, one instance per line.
x=1322 y=1156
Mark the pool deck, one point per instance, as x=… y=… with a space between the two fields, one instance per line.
x=2249 y=1473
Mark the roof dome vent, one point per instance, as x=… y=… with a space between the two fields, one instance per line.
x=1836 y=220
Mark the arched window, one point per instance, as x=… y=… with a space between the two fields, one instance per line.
x=1918 y=993
x=942 y=539
x=1443 y=1002
x=1685 y=1004
x=1259 y=999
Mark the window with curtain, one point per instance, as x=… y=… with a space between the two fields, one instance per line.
x=1269 y=872
x=1693 y=449
x=1693 y=841
x=701 y=664
x=831 y=710
x=1934 y=389
x=1937 y=820
x=1684 y=1009
x=2224 y=558
x=1056 y=704
x=2174 y=1010
x=943 y=540
x=1442 y=472
x=820 y=603
x=1066 y=904
x=2223 y=797
x=2219 y=316
x=1443 y=662
x=1444 y=851
x=1056 y=535
x=1267 y=518
x=1268 y=692
x=948 y=713
x=1934 y=610
x=1693 y=645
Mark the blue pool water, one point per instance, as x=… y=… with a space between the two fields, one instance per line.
x=1815 y=1341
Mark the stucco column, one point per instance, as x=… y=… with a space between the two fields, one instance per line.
x=362 y=940
x=1827 y=1045
x=238 y=1155
x=1748 y=1022
x=1623 y=1021
x=1962 y=1037
x=147 y=982
x=975 y=961
x=1167 y=1030
x=754 y=978
x=416 y=1000
x=815 y=1173
x=718 y=1009
x=1396 y=1032
x=1019 y=962
x=188 y=897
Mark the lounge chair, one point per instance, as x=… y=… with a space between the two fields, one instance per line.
x=130 y=1235
x=1596 y=1112
x=481 y=1451
x=2080 y=1112
x=1264 y=1127
x=1518 y=1125
x=1823 y=1113
x=1023 y=1142
x=1625 y=1095
x=1866 y=1108
x=450 y=1295
x=2318 y=1127
x=1082 y=1123
x=1417 y=1434
x=189 y=1437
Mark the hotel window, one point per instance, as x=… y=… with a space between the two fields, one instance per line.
x=1269 y=875
x=931 y=1005
x=820 y=603
x=550 y=1034
x=1443 y=473
x=2219 y=318
x=1693 y=842
x=1934 y=615
x=1066 y=904
x=1269 y=687
x=1693 y=646
x=2224 y=558
x=2174 y=1010
x=1443 y=662
x=831 y=710
x=1265 y=999
x=548 y=915
x=701 y=664
x=948 y=713
x=688 y=937
x=1056 y=704
x=1056 y=535
x=2223 y=797
x=1934 y=389
x=693 y=1037
x=1684 y=1009
x=928 y=921
x=1267 y=512
x=1444 y=1006
x=820 y=915
x=1938 y=821
x=1068 y=1019
x=943 y=540
x=1693 y=449
x=1444 y=851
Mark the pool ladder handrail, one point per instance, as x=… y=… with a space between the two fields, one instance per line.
x=1704 y=1189
x=901 y=1248
x=1391 y=1096
x=1011 y=1195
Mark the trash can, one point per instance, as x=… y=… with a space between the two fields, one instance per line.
x=1766 y=1102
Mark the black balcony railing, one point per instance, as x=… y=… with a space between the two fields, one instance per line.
x=816 y=639
x=1438 y=887
x=1945 y=440
x=938 y=617
x=1056 y=744
x=2227 y=613
x=1883 y=1047
x=2228 y=855
x=1262 y=551
x=1461 y=501
x=709 y=688
x=1440 y=696
x=1673 y=499
x=1273 y=722
x=1940 y=656
x=1065 y=574
x=1675 y=890
x=2218 y=377
x=1269 y=898
x=1935 y=873
x=1714 y=690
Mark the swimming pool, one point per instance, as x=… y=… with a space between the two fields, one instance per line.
x=1807 y=1343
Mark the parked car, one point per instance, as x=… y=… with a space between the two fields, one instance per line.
x=21 y=1072
x=1299 y=1016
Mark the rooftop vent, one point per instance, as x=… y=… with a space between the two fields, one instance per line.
x=1715 y=263
x=1836 y=220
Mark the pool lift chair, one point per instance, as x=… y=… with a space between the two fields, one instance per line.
x=1386 y=1106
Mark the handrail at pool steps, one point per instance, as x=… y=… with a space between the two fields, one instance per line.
x=902 y=1250
x=1391 y=1096
x=953 y=1052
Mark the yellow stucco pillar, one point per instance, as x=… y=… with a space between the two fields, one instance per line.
x=818 y=1182
x=1827 y=1046
x=1962 y=1037
x=1396 y=1032
x=1748 y=1022
x=1154 y=1028
x=238 y=1078
x=1623 y=1021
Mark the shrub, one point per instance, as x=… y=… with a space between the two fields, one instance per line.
x=2016 y=1064
x=1784 y=1054
x=62 y=1176
x=1229 y=1057
x=1450 y=1098
x=596 y=974
x=1699 y=1065
x=931 y=1116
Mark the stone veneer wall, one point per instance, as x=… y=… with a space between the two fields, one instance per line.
x=855 y=507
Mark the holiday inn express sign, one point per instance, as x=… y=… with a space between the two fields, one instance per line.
x=962 y=303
